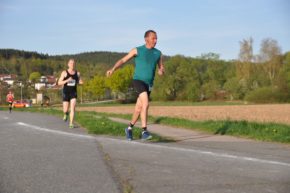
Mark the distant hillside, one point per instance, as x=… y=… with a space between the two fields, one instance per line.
x=10 y=53
x=23 y=63
x=104 y=57
x=88 y=57
x=92 y=57
x=97 y=57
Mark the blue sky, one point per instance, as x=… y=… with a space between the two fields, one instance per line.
x=187 y=27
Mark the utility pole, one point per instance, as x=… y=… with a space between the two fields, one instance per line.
x=21 y=92
x=81 y=95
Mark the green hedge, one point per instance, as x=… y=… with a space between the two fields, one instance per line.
x=267 y=95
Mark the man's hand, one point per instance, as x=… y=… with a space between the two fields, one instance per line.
x=69 y=79
x=81 y=82
x=110 y=72
x=161 y=71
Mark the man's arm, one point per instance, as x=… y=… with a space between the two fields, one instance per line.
x=160 y=66
x=80 y=79
x=61 y=81
x=122 y=61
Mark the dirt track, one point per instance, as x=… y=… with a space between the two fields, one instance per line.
x=259 y=113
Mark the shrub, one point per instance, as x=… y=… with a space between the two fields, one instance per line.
x=266 y=95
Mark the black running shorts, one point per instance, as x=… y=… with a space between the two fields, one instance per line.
x=66 y=97
x=140 y=86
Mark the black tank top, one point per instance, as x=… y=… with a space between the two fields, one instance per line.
x=71 y=86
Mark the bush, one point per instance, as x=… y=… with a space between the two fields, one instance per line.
x=266 y=95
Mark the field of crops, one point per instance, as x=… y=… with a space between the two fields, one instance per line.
x=278 y=113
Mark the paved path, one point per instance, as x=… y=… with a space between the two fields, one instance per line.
x=38 y=153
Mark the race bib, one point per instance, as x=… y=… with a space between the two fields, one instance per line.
x=71 y=83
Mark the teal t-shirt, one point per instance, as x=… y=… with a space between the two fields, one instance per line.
x=145 y=64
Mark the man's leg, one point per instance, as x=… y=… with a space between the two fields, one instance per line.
x=144 y=101
x=137 y=111
x=144 y=98
x=65 y=105
x=72 y=111
x=10 y=107
x=135 y=116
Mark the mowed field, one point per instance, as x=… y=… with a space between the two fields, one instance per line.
x=278 y=113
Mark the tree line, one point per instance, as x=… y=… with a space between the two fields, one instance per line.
x=262 y=77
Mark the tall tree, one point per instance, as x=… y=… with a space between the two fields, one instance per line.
x=34 y=76
x=180 y=82
x=246 y=50
x=282 y=82
x=270 y=56
x=244 y=64
x=119 y=82
x=96 y=87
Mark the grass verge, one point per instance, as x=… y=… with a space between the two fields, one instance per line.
x=271 y=132
x=96 y=123
x=99 y=123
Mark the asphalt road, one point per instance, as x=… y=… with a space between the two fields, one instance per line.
x=39 y=154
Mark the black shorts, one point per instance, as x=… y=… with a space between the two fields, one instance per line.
x=140 y=86
x=66 y=97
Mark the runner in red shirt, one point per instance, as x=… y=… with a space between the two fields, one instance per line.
x=10 y=99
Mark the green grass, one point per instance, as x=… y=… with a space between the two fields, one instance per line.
x=102 y=125
x=103 y=104
x=272 y=132
x=99 y=123
x=96 y=123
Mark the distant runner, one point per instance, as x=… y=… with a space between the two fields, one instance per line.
x=10 y=100
x=147 y=57
x=70 y=78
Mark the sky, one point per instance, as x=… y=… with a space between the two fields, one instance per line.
x=186 y=27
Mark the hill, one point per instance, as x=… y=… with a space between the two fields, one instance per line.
x=22 y=63
x=10 y=53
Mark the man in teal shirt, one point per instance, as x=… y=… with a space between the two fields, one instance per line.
x=147 y=57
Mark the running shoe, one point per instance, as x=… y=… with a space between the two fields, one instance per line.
x=146 y=135
x=71 y=126
x=129 y=134
x=65 y=116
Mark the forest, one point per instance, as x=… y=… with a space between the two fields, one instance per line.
x=262 y=77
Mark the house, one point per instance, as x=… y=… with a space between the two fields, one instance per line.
x=39 y=85
x=45 y=81
x=10 y=79
x=51 y=81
